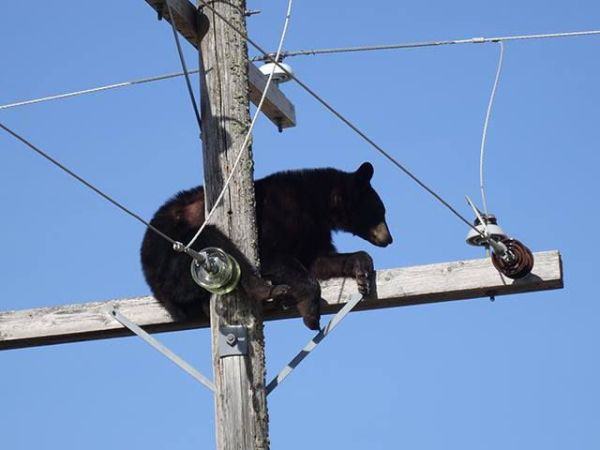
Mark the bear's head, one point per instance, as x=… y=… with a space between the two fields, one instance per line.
x=365 y=209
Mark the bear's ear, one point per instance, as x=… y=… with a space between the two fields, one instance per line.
x=364 y=172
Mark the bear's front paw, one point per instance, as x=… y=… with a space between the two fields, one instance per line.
x=260 y=290
x=363 y=271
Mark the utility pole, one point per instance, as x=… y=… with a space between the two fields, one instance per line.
x=240 y=398
x=228 y=82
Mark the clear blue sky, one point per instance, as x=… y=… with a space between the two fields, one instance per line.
x=519 y=373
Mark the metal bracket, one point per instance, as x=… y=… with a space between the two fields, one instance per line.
x=233 y=340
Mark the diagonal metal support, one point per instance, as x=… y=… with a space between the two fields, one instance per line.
x=312 y=344
x=161 y=348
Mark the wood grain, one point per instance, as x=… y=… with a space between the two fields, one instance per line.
x=240 y=399
x=405 y=286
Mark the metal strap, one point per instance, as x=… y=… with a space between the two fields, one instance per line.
x=164 y=350
x=312 y=344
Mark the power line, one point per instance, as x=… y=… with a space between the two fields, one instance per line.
x=266 y=57
x=485 y=125
x=421 y=44
x=184 y=67
x=97 y=89
x=177 y=246
x=86 y=183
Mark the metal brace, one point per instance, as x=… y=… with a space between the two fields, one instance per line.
x=233 y=340
x=312 y=344
x=162 y=348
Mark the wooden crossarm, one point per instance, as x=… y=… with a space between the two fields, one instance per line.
x=405 y=286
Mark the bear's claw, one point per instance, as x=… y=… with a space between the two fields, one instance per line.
x=363 y=282
x=363 y=271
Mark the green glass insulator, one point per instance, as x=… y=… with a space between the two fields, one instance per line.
x=218 y=274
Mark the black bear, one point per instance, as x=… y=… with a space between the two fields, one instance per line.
x=296 y=212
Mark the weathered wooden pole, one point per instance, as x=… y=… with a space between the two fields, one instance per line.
x=240 y=398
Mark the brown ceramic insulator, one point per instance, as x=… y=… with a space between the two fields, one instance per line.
x=519 y=265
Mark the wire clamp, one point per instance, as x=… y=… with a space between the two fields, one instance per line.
x=233 y=340
x=178 y=247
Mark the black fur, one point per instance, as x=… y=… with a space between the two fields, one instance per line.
x=296 y=214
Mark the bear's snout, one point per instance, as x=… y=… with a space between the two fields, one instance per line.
x=380 y=235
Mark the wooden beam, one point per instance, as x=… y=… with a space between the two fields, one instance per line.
x=184 y=17
x=405 y=286
x=276 y=107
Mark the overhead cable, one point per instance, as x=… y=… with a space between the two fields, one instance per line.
x=485 y=126
x=97 y=89
x=184 y=67
x=86 y=183
x=420 y=44
x=300 y=53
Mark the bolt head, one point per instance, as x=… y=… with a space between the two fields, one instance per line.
x=231 y=339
